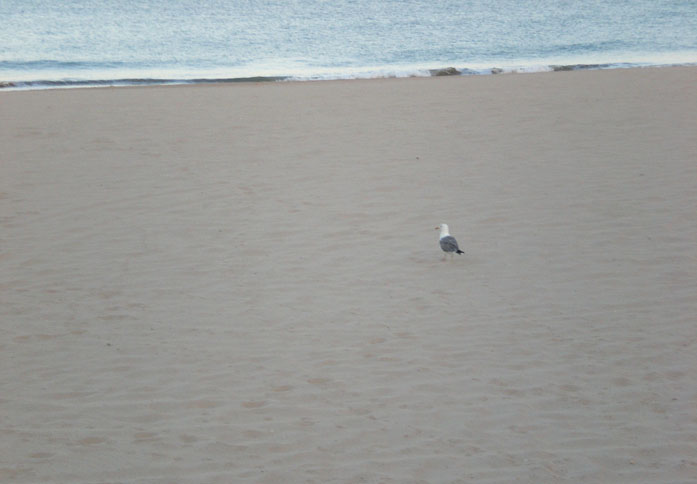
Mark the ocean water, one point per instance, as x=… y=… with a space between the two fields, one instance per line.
x=48 y=43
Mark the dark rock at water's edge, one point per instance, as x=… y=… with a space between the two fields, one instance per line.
x=496 y=70
x=577 y=67
x=6 y=84
x=446 y=71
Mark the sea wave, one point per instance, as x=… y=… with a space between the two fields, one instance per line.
x=75 y=83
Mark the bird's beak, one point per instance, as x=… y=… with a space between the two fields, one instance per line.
x=437 y=228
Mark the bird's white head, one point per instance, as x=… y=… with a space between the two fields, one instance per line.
x=443 y=230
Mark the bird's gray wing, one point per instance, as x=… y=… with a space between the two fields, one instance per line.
x=449 y=244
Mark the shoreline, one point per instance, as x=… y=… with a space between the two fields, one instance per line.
x=430 y=72
x=221 y=283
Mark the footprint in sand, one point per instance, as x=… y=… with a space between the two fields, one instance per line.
x=253 y=404
x=91 y=440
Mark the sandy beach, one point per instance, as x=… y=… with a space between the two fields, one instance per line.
x=242 y=282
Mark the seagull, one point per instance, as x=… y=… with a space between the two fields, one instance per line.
x=447 y=241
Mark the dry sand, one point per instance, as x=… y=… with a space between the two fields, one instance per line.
x=242 y=283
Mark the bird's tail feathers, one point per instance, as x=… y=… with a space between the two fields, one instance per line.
x=460 y=251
